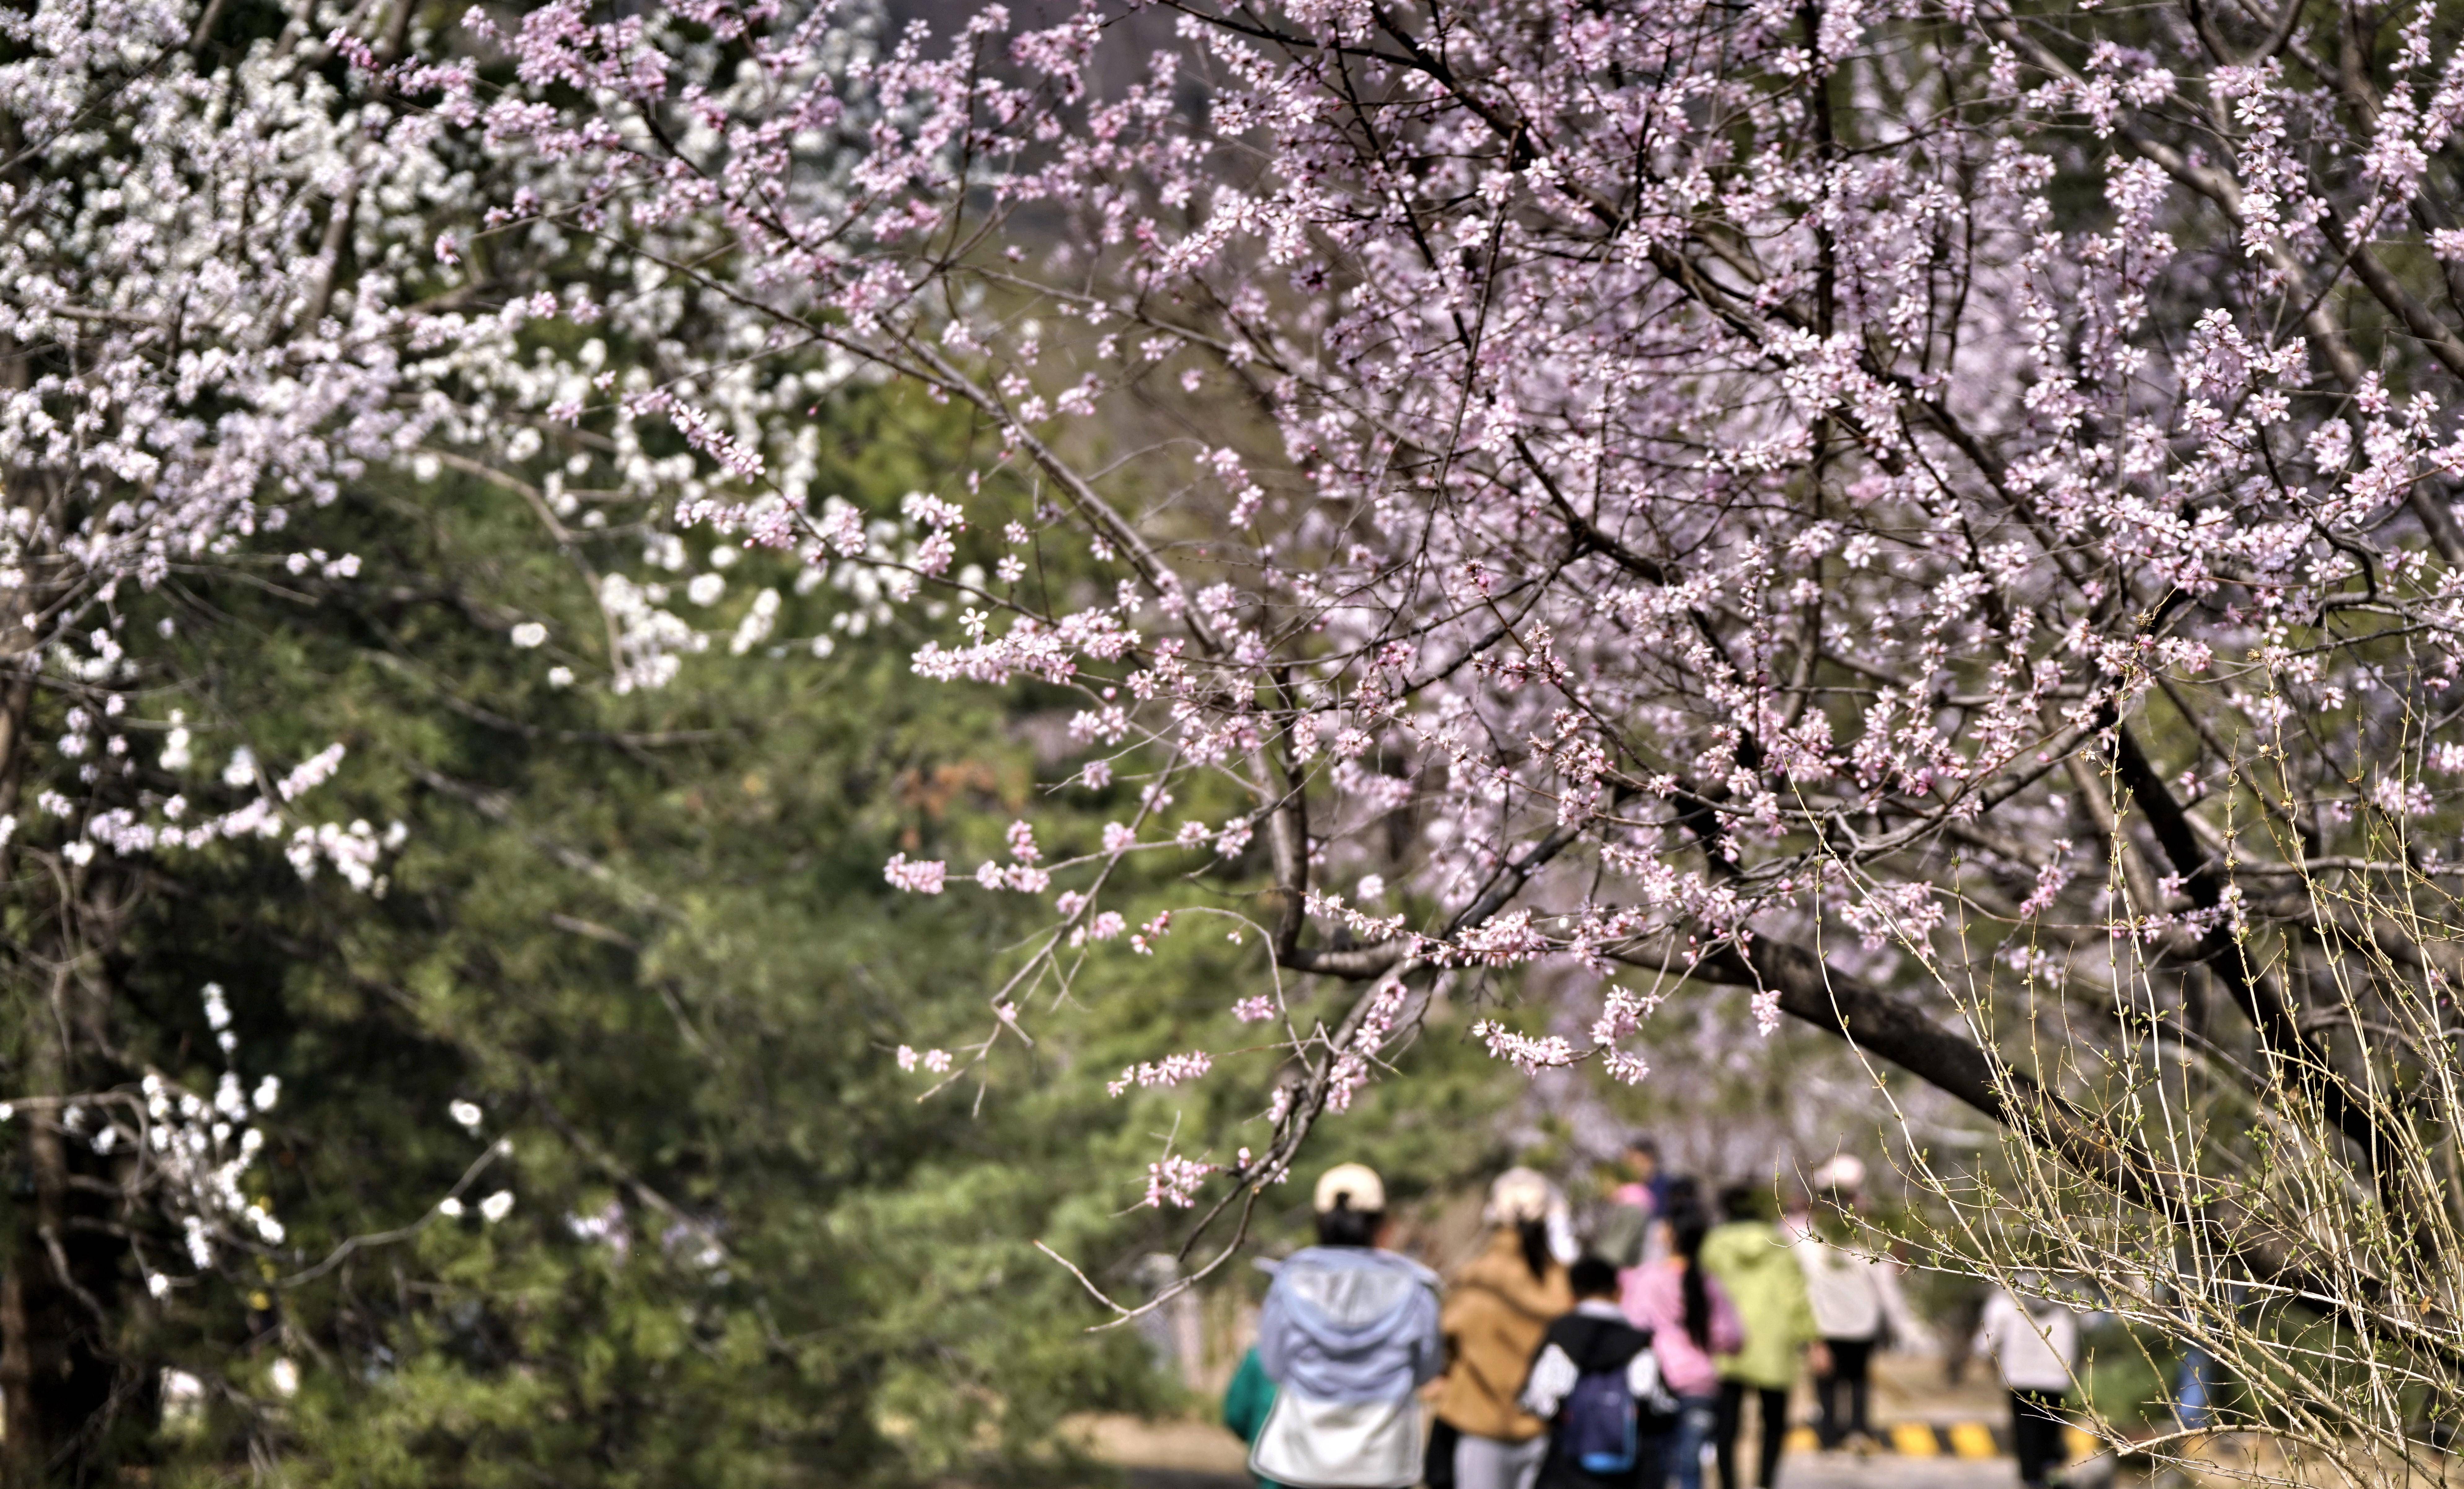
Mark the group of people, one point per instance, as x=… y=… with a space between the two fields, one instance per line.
x=1616 y=1359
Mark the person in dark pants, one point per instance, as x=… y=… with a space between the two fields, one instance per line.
x=1597 y=1383
x=1856 y=1298
x=2037 y=1425
x=1772 y=1412
x=1850 y=1376
x=1750 y=1257
x=2035 y=1344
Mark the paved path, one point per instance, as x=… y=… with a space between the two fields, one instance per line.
x=1946 y=1438
x=1814 y=1471
x=1800 y=1471
x=1840 y=1471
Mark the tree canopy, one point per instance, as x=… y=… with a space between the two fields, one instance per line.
x=1936 y=517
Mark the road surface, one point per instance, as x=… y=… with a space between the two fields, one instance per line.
x=1946 y=1437
x=1810 y=1471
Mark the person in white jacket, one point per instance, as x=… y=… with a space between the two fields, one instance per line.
x=2035 y=1346
x=1855 y=1296
x=1349 y=1335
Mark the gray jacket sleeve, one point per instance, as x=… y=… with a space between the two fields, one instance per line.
x=1275 y=1333
x=1429 y=1341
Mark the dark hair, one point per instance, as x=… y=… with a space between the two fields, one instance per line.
x=1685 y=1194
x=1642 y=1143
x=1345 y=1226
x=1592 y=1277
x=1535 y=1235
x=1687 y=1242
x=1741 y=1202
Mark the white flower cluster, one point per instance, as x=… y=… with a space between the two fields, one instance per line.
x=354 y=851
x=199 y=1148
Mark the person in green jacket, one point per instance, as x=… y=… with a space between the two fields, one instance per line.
x=1750 y=1255
x=1247 y=1400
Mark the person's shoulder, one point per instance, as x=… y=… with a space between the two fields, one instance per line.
x=1578 y=1332
x=1630 y=1336
x=1378 y=1259
x=1566 y=1329
x=1486 y=1271
x=1313 y=1260
x=1740 y=1237
x=1310 y=1259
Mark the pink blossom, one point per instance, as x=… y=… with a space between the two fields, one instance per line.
x=1530 y=1055
x=1174 y=1182
x=1170 y=1071
x=1022 y=842
x=923 y=877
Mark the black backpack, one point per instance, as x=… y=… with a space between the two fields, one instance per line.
x=1601 y=1423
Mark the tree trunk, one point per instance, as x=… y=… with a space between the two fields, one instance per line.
x=58 y=1372
x=60 y=1285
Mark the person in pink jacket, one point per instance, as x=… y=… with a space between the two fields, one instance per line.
x=1691 y=1320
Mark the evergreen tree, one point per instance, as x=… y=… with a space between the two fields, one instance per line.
x=643 y=944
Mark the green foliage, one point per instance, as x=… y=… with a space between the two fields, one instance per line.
x=649 y=937
x=2128 y=1374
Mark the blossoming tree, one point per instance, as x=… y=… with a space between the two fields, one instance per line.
x=1773 y=497
x=207 y=325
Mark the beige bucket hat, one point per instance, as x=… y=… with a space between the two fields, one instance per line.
x=1353 y=1186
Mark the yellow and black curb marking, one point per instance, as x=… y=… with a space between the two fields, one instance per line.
x=1945 y=1440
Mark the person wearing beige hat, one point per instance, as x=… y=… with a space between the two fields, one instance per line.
x=1348 y=1334
x=1496 y=1308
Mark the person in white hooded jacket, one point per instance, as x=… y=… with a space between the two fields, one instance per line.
x=1855 y=1296
x=1348 y=1334
x=2035 y=1346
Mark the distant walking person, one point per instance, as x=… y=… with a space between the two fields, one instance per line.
x=1496 y=1308
x=1750 y=1255
x=1622 y=1231
x=1854 y=1297
x=2035 y=1346
x=1597 y=1383
x=2196 y=1386
x=1691 y=1319
x=1348 y=1335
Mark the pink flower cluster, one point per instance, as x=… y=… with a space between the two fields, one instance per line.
x=1171 y=1070
x=1693 y=511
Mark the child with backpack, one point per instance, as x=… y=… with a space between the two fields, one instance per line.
x=1596 y=1381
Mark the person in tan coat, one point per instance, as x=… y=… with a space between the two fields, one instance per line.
x=1497 y=1307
